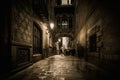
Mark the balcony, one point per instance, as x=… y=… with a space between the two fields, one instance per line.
x=40 y=9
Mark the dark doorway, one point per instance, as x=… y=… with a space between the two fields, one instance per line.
x=37 y=39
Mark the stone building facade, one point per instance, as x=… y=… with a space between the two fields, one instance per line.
x=97 y=32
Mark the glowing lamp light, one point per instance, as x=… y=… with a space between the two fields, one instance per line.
x=51 y=25
x=59 y=40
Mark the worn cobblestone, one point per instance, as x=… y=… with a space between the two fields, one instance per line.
x=53 y=68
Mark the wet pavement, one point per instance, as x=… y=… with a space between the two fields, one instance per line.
x=58 y=67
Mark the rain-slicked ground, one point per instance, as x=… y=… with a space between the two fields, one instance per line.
x=58 y=67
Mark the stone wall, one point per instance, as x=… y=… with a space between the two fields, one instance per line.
x=102 y=19
x=22 y=21
x=23 y=18
x=22 y=33
x=16 y=35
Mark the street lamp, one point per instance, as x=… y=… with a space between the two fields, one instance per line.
x=59 y=40
x=51 y=25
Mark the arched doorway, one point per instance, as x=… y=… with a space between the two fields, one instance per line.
x=37 y=42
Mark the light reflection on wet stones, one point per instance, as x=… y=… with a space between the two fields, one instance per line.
x=55 y=68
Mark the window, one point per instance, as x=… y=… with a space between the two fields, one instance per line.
x=66 y=2
x=92 y=43
x=64 y=23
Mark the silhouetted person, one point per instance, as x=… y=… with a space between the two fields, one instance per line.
x=80 y=51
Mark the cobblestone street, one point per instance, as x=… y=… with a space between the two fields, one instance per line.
x=57 y=67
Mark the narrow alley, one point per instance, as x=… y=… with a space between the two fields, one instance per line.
x=59 y=40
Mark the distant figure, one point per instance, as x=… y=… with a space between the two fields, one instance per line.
x=63 y=50
x=80 y=51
